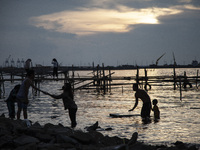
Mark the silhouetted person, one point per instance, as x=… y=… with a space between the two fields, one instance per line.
x=156 y=109
x=146 y=108
x=68 y=100
x=22 y=95
x=55 y=67
x=186 y=81
x=28 y=65
x=11 y=101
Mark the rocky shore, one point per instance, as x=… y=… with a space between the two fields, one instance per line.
x=19 y=135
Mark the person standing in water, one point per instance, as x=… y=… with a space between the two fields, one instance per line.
x=55 y=67
x=155 y=109
x=141 y=94
x=22 y=95
x=68 y=100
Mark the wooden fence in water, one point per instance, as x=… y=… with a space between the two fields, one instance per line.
x=100 y=79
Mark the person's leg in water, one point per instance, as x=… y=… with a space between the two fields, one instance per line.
x=146 y=110
x=12 y=111
x=19 y=111
x=72 y=115
x=25 y=113
x=22 y=106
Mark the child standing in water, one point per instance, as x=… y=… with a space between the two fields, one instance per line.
x=68 y=101
x=156 y=109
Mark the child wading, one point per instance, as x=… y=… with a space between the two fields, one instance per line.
x=68 y=100
x=156 y=109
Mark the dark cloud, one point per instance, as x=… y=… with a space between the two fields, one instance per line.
x=178 y=33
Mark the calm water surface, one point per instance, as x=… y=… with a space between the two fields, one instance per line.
x=179 y=119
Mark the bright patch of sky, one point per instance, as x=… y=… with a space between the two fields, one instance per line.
x=85 y=21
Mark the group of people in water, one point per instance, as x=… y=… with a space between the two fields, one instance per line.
x=19 y=94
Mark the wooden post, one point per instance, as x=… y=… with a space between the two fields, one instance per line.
x=174 y=77
x=98 y=80
x=73 y=78
x=137 y=76
x=197 y=79
x=180 y=89
x=104 y=80
x=110 y=79
x=146 y=79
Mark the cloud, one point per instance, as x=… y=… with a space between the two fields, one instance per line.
x=85 y=21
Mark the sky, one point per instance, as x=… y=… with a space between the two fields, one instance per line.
x=113 y=32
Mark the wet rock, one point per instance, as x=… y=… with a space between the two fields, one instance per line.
x=93 y=127
x=14 y=134
x=133 y=139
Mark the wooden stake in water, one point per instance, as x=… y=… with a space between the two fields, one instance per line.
x=180 y=89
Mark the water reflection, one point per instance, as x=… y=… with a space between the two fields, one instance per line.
x=179 y=121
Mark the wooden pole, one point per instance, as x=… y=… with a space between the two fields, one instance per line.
x=104 y=80
x=110 y=79
x=73 y=78
x=137 y=76
x=180 y=89
x=197 y=79
x=174 y=77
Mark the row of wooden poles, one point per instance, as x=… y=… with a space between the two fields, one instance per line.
x=102 y=82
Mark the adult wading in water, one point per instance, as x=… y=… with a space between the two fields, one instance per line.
x=68 y=100
x=146 y=108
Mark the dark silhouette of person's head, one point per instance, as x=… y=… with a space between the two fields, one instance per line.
x=67 y=87
x=54 y=60
x=30 y=73
x=155 y=102
x=135 y=86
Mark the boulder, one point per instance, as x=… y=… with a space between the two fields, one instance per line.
x=25 y=139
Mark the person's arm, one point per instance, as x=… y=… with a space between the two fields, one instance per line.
x=33 y=86
x=53 y=96
x=136 y=103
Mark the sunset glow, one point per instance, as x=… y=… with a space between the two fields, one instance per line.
x=92 y=21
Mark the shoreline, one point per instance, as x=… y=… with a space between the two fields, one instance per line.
x=19 y=134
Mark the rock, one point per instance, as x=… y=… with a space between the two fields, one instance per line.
x=2 y=115
x=24 y=139
x=37 y=125
x=27 y=122
x=5 y=140
x=96 y=136
x=14 y=134
x=44 y=137
x=66 y=139
x=108 y=129
x=133 y=138
x=93 y=127
x=32 y=146
x=82 y=137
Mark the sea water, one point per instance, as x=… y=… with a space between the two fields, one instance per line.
x=179 y=120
